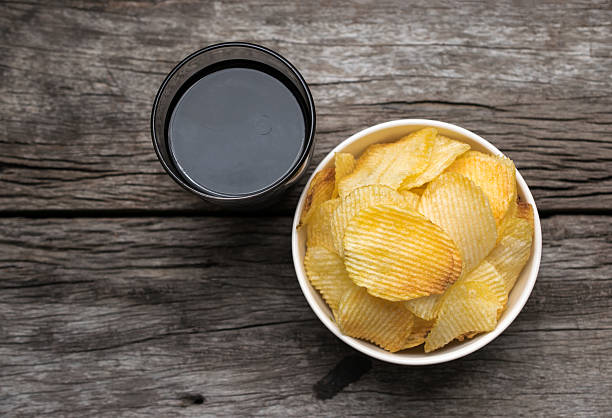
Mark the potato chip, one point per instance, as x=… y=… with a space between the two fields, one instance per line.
x=467 y=335
x=525 y=211
x=513 y=250
x=412 y=199
x=391 y=163
x=467 y=307
x=419 y=331
x=321 y=189
x=345 y=163
x=443 y=153
x=358 y=199
x=386 y=324
x=397 y=254
x=495 y=175
x=461 y=209
x=327 y=274
x=510 y=214
x=318 y=230
x=419 y=241
x=488 y=275
x=419 y=190
x=425 y=307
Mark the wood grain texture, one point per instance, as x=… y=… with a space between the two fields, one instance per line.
x=77 y=80
x=203 y=316
x=122 y=295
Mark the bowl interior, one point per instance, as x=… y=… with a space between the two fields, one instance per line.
x=388 y=132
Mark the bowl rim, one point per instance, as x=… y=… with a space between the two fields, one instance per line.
x=461 y=349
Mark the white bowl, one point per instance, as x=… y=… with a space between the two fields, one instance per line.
x=388 y=132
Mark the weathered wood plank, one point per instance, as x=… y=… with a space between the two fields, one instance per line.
x=77 y=80
x=202 y=316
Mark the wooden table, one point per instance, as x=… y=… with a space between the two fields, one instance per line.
x=121 y=294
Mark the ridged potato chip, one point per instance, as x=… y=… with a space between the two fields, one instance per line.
x=525 y=211
x=358 y=199
x=467 y=335
x=345 y=164
x=419 y=331
x=327 y=274
x=425 y=307
x=510 y=214
x=419 y=190
x=391 y=163
x=318 y=230
x=467 y=307
x=444 y=152
x=397 y=254
x=386 y=324
x=461 y=209
x=495 y=175
x=412 y=199
x=487 y=274
x=418 y=241
x=321 y=189
x=512 y=251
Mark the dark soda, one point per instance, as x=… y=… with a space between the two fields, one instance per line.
x=236 y=129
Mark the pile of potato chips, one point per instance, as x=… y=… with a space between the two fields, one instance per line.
x=417 y=241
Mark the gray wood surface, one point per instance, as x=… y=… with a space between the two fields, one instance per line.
x=78 y=81
x=122 y=295
x=143 y=316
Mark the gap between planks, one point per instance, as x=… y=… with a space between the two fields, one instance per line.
x=184 y=213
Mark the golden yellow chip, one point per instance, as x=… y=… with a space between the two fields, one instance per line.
x=327 y=274
x=358 y=199
x=318 y=230
x=412 y=199
x=386 y=324
x=391 y=163
x=495 y=175
x=488 y=275
x=444 y=152
x=507 y=220
x=321 y=189
x=423 y=245
x=397 y=254
x=525 y=211
x=345 y=164
x=512 y=251
x=419 y=190
x=419 y=331
x=467 y=307
x=466 y=335
x=461 y=209
x=425 y=307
